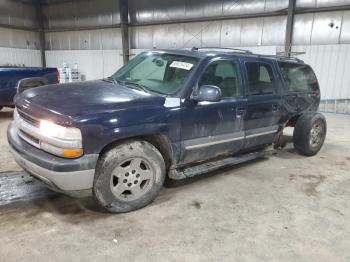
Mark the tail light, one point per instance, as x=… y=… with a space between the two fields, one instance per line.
x=314 y=94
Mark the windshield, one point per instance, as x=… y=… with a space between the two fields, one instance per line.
x=157 y=72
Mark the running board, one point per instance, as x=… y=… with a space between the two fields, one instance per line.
x=178 y=174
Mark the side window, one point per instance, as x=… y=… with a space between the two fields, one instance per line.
x=260 y=78
x=299 y=77
x=225 y=75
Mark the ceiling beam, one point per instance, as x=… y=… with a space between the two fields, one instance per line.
x=18 y=27
x=299 y=10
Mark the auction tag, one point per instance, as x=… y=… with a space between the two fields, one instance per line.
x=182 y=65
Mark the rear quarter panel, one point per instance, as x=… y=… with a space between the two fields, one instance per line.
x=295 y=103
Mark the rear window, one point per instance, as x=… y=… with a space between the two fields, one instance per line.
x=298 y=77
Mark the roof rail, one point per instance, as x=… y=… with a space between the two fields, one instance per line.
x=284 y=58
x=222 y=48
x=278 y=56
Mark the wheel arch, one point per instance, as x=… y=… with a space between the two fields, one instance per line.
x=159 y=141
x=292 y=120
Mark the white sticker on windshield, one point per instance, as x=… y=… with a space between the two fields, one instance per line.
x=182 y=65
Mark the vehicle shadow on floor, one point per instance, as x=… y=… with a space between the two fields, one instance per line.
x=75 y=210
x=23 y=194
x=71 y=210
x=79 y=210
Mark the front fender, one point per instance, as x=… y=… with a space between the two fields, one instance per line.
x=108 y=136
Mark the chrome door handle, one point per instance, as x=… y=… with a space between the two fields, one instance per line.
x=274 y=107
x=240 y=111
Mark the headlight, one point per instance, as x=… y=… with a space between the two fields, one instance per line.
x=61 y=141
x=53 y=130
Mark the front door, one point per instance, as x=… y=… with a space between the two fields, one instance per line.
x=264 y=102
x=212 y=129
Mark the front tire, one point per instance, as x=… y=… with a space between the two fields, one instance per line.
x=309 y=133
x=129 y=176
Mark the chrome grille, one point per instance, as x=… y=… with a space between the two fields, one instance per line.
x=29 y=119
x=22 y=122
x=35 y=140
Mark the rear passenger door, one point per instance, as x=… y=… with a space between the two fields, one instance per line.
x=263 y=102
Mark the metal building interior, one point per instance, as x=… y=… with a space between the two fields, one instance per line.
x=287 y=208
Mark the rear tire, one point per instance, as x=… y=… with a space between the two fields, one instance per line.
x=1 y=108
x=129 y=176
x=309 y=133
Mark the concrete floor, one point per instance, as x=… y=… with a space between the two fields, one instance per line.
x=286 y=208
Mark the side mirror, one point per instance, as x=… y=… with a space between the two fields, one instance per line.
x=208 y=93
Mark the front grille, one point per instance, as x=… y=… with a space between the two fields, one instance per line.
x=27 y=127
x=29 y=137
x=29 y=119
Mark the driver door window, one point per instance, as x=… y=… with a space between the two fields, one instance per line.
x=223 y=74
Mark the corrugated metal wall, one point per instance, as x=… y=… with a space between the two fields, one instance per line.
x=162 y=11
x=84 y=40
x=308 y=29
x=18 y=47
x=314 y=29
x=243 y=32
x=321 y=3
x=330 y=63
x=81 y=13
x=19 y=39
x=17 y=56
x=16 y=14
x=324 y=37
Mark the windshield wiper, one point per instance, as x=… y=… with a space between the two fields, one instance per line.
x=111 y=80
x=133 y=85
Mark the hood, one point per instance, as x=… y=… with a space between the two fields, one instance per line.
x=84 y=98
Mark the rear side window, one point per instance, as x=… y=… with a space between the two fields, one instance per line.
x=299 y=77
x=260 y=78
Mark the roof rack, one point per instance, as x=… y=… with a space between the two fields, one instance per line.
x=278 y=56
x=284 y=58
x=222 y=48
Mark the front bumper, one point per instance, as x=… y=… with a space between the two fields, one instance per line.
x=70 y=176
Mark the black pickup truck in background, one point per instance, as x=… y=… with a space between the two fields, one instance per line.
x=18 y=79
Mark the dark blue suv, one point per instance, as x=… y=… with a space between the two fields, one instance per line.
x=175 y=113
